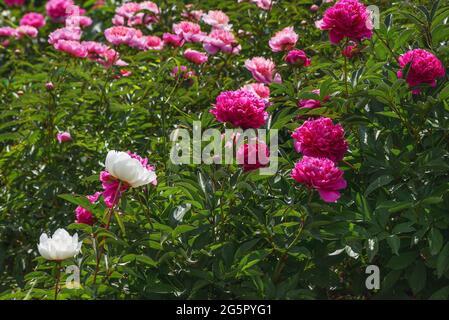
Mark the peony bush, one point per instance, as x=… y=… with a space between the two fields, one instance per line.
x=353 y=96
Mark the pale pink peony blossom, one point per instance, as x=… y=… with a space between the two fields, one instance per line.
x=7 y=32
x=122 y=35
x=26 y=31
x=145 y=43
x=78 y=21
x=73 y=34
x=71 y=47
x=102 y=54
x=189 y=31
x=347 y=19
x=221 y=40
x=217 y=19
x=195 y=56
x=322 y=139
x=63 y=137
x=283 y=40
x=322 y=175
x=190 y=14
x=134 y=14
x=297 y=57
x=259 y=89
x=263 y=70
x=241 y=109
x=33 y=19
x=425 y=68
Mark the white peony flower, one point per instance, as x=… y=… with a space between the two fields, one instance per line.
x=59 y=247
x=127 y=169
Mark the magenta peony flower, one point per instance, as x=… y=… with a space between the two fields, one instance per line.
x=83 y=215
x=73 y=34
x=71 y=47
x=283 y=40
x=12 y=3
x=425 y=68
x=59 y=10
x=217 y=19
x=259 y=89
x=63 y=137
x=122 y=35
x=347 y=19
x=110 y=187
x=221 y=40
x=322 y=139
x=195 y=56
x=240 y=108
x=253 y=155
x=189 y=31
x=312 y=103
x=263 y=70
x=33 y=19
x=173 y=40
x=26 y=31
x=350 y=50
x=320 y=174
x=297 y=57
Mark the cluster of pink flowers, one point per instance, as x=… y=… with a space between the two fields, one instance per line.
x=133 y=38
x=12 y=3
x=133 y=14
x=322 y=175
x=111 y=193
x=240 y=108
x=28 y=27
x=347 y=19
x=425 y=68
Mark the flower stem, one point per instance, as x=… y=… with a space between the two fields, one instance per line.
x=57 y=278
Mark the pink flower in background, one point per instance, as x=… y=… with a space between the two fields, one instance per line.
x=263 y=70
x=102 y=54
x=347 y=19
x=297 y=57
x=312 y=103
x=11 y=3
x=33 y=19
x=314 y=8
x=350 y=50
x=189 y=14
x=83 y=215
x=195 y=56
x=189 y=31
x=7 y=32
x=121 y=35
x=49 y=86
x=63 y=137
x=221 y=40
x=147 y=43
x=58 y=10
x=173 y=39
x=283 y=40
x=73 y=34
x=253 y=155
x=78 y=21
x=259 y=89
x=425 y=68
x=111 y=188
x=71 y=47
x=241 y=109
x=133 y=14
x=322 y=175
x=322 y=139
x=23 y=31
x=262 y=4
x=217 y=19
x=182 y=72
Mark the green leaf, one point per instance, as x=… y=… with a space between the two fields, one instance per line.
x=443 y=260
x=395 y=243
x=435 y=241
x=402 y=261
x=418 y=277
x=379 y=182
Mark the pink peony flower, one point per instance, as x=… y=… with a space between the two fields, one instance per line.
x=63 y=137
x=347 y=19
x=217 y=19
x=297 y=57
x=182 y=72
x=144 y=163
x=221 y=40
x=102 y=54
x=173 y=39
x=78 y=21
x=133 y=14
x=73 y=34
x=262 y=4
x=314 y=8
x=83 y=215
x=189 y=14
x=241 y=109
x=253 y=155
x=312 y=103
x=322 y=139
x=189 y=31
x=7 y=32
x=259 y=89
x=28 y=31
x=425 y=68
x=263 y=70
x=350 y=50
x=58 y=10
x=147 y=43
x=49 y=86
x=283 y=40
x=71 y=47
x=122 y=35
x=33 y=19
x=322 y=175
x=11 y=3
x=195 y=56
